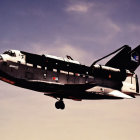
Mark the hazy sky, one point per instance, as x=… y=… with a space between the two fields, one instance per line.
x=86 y=30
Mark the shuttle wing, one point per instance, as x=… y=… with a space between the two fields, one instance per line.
x=116 y=93
x=108 y=92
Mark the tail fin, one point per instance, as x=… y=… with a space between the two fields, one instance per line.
x=135 y=59
x=126 y=59
x=121 y=59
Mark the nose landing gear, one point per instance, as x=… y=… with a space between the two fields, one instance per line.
x=60 y=105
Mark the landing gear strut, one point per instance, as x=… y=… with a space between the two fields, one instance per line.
x=60 y=104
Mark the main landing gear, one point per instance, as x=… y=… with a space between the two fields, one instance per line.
x=60 y=104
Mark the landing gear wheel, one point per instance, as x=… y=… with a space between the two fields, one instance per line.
x=60 y=105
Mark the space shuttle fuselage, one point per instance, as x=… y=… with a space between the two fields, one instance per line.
x=66 y=78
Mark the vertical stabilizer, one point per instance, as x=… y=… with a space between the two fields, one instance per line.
x=135 y=59
x=126 y=59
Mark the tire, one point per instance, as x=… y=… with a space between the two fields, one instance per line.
x=60 y=105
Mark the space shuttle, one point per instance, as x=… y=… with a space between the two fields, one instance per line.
x=65 y=78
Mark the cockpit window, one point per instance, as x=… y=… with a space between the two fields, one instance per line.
x=10 y=53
